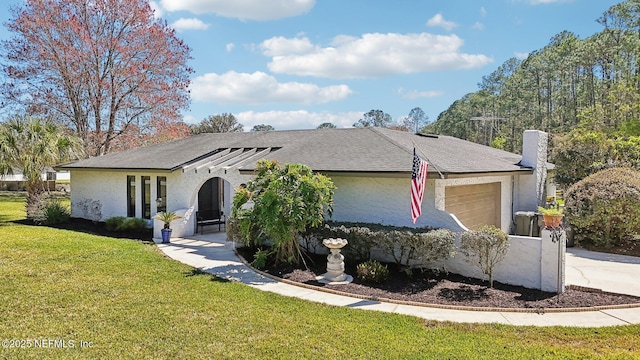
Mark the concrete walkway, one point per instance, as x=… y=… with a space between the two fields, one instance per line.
x=607 y=272
x=211 y=253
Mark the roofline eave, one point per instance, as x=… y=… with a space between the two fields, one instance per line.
x=88 y=168
x=405 y=174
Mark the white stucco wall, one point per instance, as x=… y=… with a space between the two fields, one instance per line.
x=531 y=262
x=385 y=200
x=99 y=195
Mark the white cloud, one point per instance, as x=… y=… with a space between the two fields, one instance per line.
x=157 y=10
x=299 y=119
x=483 y=11
x=521 y=55
x=372 y=55
x=189 y=24
x=281 y=46
x=261 y=88
x=478 y=26
x=242 y=9
x=230 y=47
x=190 y=119
x=415 y=94
x=439 y=21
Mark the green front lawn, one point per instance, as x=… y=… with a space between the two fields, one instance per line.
x=130 y=301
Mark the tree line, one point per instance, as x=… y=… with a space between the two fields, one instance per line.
x=570 y=88
x=415 y=121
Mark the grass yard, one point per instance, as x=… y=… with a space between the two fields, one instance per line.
x=129 y=301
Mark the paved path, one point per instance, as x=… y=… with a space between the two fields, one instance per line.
x=608 y=272
x=213 y=254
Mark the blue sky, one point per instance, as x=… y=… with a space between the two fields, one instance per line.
x=295 y=64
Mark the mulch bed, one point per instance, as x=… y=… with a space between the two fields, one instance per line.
x=99 y=228
x=446 y=288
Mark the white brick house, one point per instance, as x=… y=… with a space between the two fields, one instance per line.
x=468 y=184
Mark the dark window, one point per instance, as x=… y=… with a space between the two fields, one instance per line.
x=161 y=200
x=146 y=197
x=131 y=196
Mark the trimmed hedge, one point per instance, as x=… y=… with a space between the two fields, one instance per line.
x=408 y=247
x=604 y=208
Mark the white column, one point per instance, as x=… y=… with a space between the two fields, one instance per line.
x=552 y=262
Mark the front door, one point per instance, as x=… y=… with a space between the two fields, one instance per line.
x=209 y=195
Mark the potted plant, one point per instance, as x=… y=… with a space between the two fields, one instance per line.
x=166 y=217
x=552 y=216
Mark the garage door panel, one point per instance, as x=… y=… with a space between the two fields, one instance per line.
x=474 y=205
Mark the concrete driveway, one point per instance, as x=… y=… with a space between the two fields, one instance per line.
x=608 y=272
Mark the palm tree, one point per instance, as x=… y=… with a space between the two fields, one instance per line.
x=31 y=145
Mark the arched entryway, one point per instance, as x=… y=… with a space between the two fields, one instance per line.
x=214 y=199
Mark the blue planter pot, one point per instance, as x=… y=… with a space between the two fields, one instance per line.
x=166 y=235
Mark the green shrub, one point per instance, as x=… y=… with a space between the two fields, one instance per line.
x=372 y=271
x=55 y=212
x=436 y=245
x=485 y=248
x=285 y=201
x=417 y=250
x=400 y=245
x=583 y=152
x=47 y=210
x=363 y=237
x=579 y=154
x=360 y=240
x=114 y=223
x=604 y=208
x=126 y=224
x=242 y=228
x=260 y=259
x=132 y=224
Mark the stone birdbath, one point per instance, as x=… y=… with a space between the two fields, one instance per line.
x=335 y=263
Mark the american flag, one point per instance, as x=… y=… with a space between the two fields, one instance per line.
x=418 y=179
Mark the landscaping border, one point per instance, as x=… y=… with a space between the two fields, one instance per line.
x=451 y=307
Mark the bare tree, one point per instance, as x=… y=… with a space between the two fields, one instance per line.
x=98 y=67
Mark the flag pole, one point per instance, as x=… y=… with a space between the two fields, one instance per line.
x=427 y=158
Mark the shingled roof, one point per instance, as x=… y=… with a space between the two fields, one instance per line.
x=326 y=150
